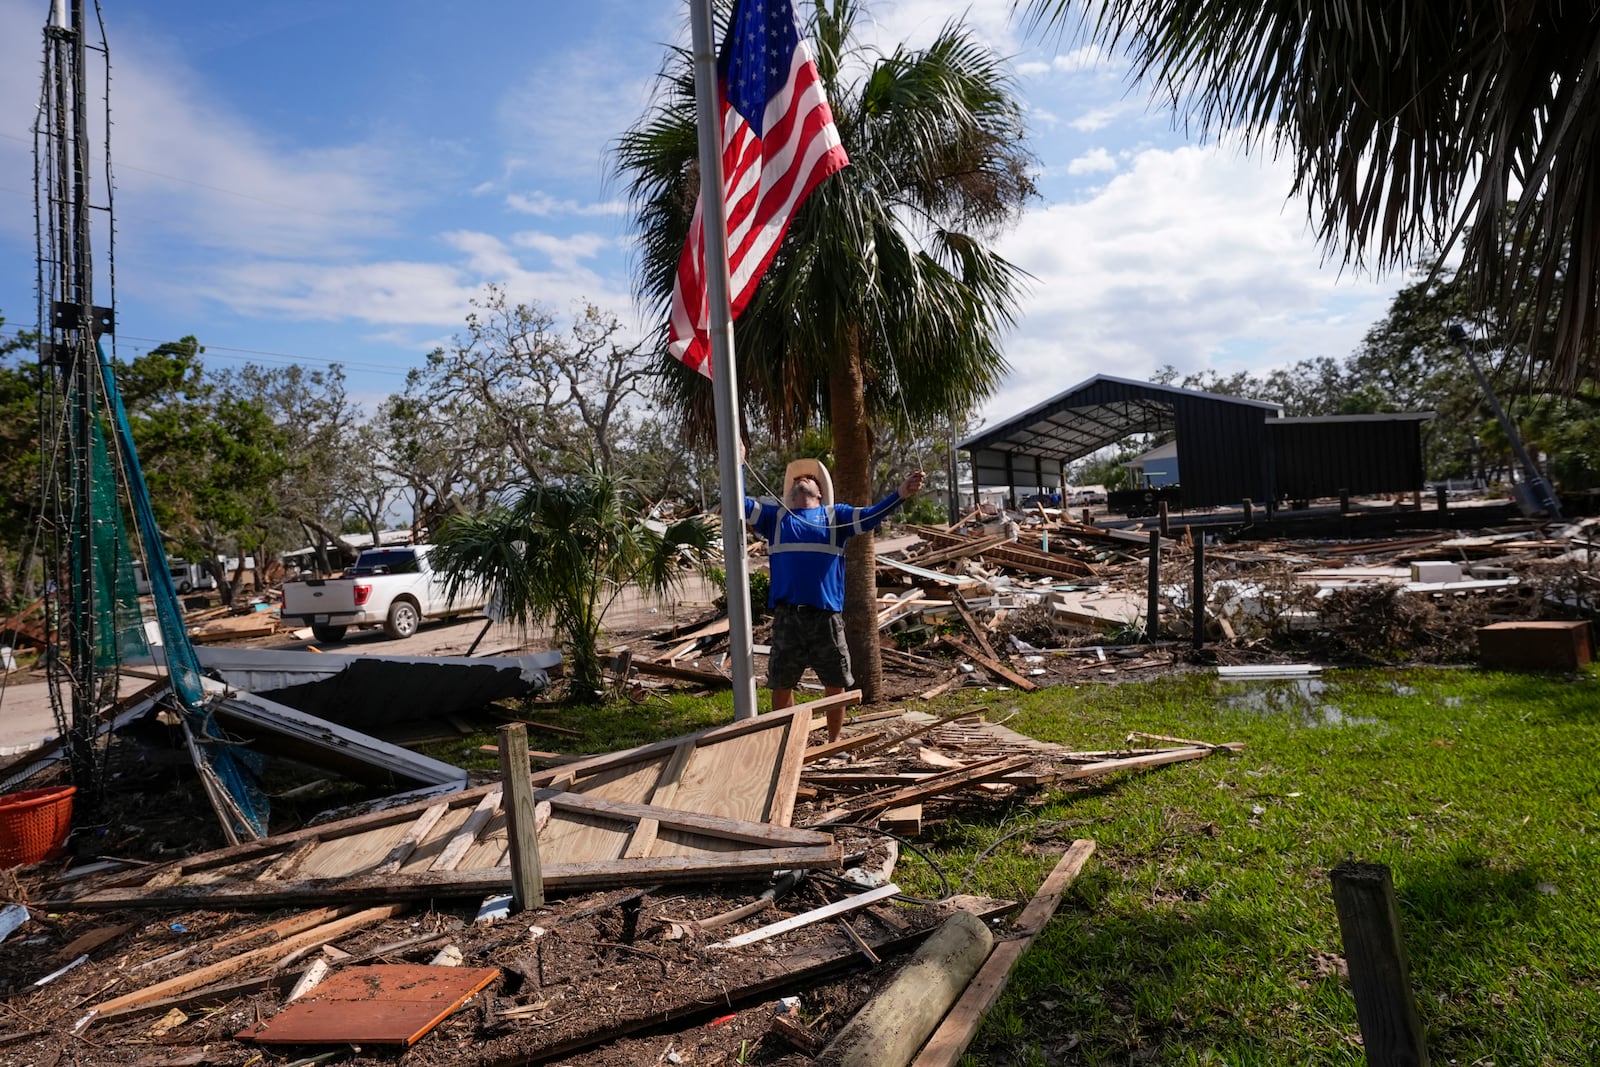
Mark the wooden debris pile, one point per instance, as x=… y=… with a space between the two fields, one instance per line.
x=704 y=890
x=1006 y=596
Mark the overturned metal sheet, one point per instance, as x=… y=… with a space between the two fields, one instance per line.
x=368 y=691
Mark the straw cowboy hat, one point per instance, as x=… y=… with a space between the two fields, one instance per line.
x=801 y=468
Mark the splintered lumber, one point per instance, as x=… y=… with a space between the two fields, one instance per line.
x=844 y=744
x=963 y=548
x=1139 y=763
x=928 y=574
x=943 y=720
x=807 y=918
x=679 y=673
x=762 y=974
x=950 y=1041
x=905 y=820
x=244 y=961
x=897 y=608
x=959 y=602
x=827 y=703
x=894 y=1024
x=1034 y=561
x=932 y=786
x=992 y=665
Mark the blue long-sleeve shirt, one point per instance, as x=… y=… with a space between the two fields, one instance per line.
x=806 y=547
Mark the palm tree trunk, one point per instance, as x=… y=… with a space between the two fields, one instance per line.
x=852 y=482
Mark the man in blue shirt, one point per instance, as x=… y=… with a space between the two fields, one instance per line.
x=805 y=535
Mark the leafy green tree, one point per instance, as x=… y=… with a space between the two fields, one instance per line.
x=560 y=553
x=882 y=305
x=210 y=458
x=328 y=469
x=1408 y=124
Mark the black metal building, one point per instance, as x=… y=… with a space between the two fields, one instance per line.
x=1231 y=448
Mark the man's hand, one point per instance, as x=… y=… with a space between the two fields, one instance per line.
x=912 y=485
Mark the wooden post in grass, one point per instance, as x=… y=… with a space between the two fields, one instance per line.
x=1369 y=923
x=522 y=824
x=1152 y=607
x=1197 y=596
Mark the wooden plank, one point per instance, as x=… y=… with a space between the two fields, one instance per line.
x=527 y=885
x=984 y=771
x=949 y=1042
x=816 y=915
x=790 y=762
x=468 y=832
x=414 y=837
x=304 y=920
x=427 y=885
x=712 y=679
x=959 y=602
x=645 y=830
x=943 y=720
x=1047 y=564
x=1139 y=763
x=992 y=665
x=246 y=960
x=844 y=744
x=962 y=548
x=84 y=944
x=823 y=703
x=1369 y=927
x=906 y=820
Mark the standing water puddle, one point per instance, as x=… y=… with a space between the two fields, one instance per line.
x=1305 y=701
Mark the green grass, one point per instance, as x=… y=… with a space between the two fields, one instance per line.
x=1203 y=929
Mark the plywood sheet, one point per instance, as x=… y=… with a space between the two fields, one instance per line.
x=746 y=770
x=385 y=1004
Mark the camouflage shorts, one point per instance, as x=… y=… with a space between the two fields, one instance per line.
x=807 y=637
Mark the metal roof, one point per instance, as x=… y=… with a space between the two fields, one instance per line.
x=1095 y=413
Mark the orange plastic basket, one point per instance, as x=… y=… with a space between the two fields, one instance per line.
x=34 y=824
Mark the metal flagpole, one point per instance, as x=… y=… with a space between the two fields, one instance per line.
x=714 y=222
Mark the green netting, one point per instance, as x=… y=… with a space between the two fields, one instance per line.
x=235 y=767
x=118 y=624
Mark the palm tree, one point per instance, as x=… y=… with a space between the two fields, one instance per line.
x=1412 y=126
x=560 y=553
x=883 y=305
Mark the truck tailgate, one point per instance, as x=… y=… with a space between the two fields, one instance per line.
x=320 y=596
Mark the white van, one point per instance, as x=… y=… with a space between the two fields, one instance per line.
x=186 y=577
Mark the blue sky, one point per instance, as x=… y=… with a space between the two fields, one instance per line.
x=332 y=182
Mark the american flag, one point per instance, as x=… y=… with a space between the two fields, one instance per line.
x=778 y=142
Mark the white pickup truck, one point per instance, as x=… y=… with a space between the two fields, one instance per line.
x=389 y=587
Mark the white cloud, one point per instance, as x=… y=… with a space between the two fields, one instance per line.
x=1094 y=161
x=1086 y=58
x=563 y=252
x=560 y=121
x=1191 y=258
x=543 y=204
x=1094 y=119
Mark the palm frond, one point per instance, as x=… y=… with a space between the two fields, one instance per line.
x=1412 y=126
